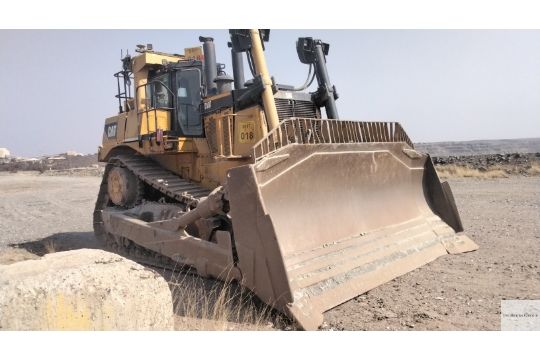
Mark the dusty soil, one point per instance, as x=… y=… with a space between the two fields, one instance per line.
x=42 y=214
x=41 y=208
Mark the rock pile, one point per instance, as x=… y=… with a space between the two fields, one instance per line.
x=484 y=161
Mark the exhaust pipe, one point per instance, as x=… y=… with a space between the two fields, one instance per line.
x=238 y=68
x=210 y=64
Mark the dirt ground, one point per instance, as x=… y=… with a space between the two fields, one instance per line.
x=41 y=214
x=34 y=207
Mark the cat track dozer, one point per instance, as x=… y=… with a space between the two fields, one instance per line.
x=252 y=184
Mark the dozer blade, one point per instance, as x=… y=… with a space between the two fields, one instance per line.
x=320 y=219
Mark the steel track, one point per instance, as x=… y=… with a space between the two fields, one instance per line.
x=170 y=185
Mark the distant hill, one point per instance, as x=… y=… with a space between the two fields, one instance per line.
x=480 y=147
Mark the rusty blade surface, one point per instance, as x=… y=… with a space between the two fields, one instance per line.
x=318 y=224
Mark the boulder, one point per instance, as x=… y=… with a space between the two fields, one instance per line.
x=83 y=289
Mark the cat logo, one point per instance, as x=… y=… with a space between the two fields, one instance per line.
x=110 y=130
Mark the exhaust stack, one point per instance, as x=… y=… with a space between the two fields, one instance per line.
x=210 y=64
x=238 y=68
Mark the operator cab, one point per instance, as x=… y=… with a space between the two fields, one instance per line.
x=177 y=88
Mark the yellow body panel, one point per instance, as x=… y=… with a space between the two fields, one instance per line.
x=153 y=58
x=250 y=127
x=132 y=126
x=153 y=120
x=186 y=145
x=113 y=132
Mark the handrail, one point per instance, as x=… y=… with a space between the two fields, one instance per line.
x=126 y=94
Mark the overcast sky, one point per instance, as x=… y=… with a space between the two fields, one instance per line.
x=57 y=85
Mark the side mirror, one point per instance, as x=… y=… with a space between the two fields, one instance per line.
x=305 y=48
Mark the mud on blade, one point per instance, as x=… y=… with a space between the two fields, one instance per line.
x=332 y=209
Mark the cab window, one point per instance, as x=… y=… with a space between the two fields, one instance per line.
x=188 y=100
x=160 y=90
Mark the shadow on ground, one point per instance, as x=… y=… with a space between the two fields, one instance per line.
x=60 y=242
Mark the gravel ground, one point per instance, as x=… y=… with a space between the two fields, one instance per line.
x=34 y=207
x=456 y=292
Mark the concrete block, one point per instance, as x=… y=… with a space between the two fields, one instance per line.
x=83 y=289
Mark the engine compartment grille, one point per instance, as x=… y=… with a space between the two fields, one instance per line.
x=288 y=108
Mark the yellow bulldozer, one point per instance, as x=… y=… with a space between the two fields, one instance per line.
x=252 y=184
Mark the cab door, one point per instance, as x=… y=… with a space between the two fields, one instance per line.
x=188 y=99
